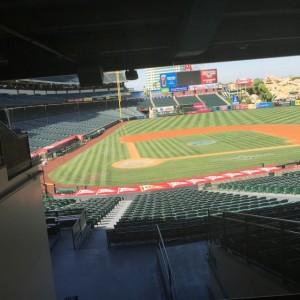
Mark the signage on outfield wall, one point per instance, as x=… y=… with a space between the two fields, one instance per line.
x=235 y=99
x=264 y=105
x=251 y=106
x=199 y=111
x=223 y=107
x=282 y=103
x=75 y=100
x=241 y=106
x=168 y=80
x=297 y=102
x=198 y=104
x=165 y=108
x=178 y=89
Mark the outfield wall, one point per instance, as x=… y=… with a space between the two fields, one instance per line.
x=242 y=106
x=197 y=182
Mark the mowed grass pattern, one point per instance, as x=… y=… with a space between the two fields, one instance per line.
x=94 y=166
x=220 y=142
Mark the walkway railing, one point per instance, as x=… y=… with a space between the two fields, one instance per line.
x=271 y=243
x=167 y=272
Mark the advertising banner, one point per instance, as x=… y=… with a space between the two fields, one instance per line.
x=198 y=104
x=209 y=76
x=251 y=106
x=235 y=99
x=199 y=111
x=282 y=103
x=178 y=183
x=245 y=82
x=179 y=89
x=165 y=108
x=241 y=106
x=75 y=100
x=203 y=86
x=168 y=80
x=165 y=90
x=224 y=107
x=297 y=102
x=87 y=99
x=263 y=105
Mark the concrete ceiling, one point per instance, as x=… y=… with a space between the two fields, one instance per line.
x=59 y=37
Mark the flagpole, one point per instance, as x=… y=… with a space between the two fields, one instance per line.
x=119 y=94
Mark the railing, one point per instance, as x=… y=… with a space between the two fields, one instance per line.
x=167 y=273
x=78 y=230
x=271 y=243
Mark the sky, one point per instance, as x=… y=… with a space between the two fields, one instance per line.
x=230 y=71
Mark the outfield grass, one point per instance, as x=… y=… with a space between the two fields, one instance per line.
x=221 y=142
x=94 y=166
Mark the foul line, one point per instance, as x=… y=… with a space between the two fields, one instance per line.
x=230 y=152
x=133 y=152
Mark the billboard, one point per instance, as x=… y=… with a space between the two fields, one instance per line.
x=244 y=82
x=188 y=78
x=168 y=80
x=208 y=76
x=179 y=89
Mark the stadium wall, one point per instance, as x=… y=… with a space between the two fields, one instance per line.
x=26 y=270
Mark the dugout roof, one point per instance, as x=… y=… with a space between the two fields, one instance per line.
x=60 y=37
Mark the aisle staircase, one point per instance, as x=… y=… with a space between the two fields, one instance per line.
x=113 y=217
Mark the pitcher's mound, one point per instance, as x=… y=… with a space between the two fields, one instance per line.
x=137 y=163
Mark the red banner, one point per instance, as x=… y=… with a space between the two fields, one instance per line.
x=89 y=192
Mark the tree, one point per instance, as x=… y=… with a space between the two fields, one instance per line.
x=147 y=93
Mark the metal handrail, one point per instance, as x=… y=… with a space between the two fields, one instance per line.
x=260 y=225
x=166 y=261
x=254 y=216
x=223 y=229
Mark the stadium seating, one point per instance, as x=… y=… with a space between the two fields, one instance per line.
x=180 y=213
x=212 y=100
x=51 y=204
x=166 y=101
x=96 y=208
x=288 y=183
x=51 y=97
x=187 y=100
x=47 y=125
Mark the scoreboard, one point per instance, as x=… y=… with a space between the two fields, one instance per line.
x=181 y=80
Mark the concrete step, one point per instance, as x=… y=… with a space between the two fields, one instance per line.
x=114 y=216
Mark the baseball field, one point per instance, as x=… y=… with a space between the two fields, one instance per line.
x=156 y=150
